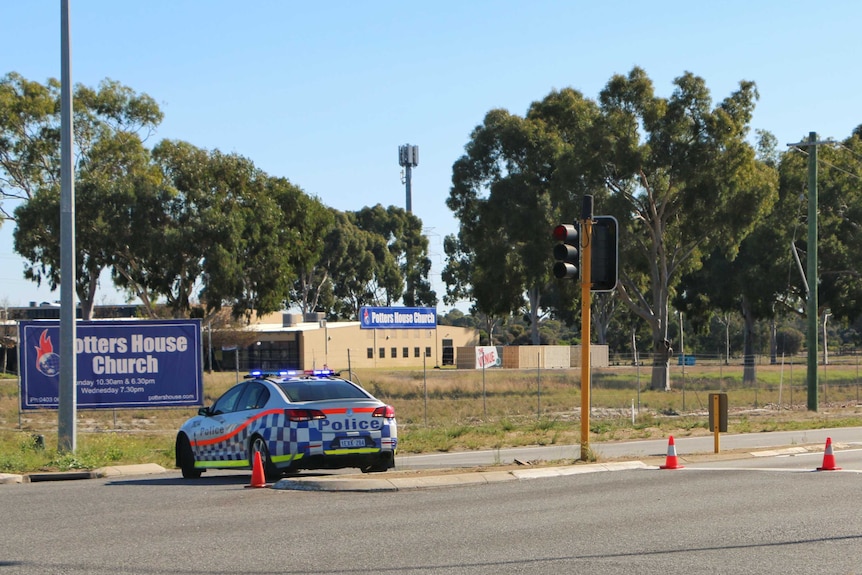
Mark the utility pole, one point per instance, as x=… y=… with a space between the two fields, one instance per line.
x=812 y=279
x=813 y=383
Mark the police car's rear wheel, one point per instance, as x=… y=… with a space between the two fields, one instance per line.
x=186 y=458
x=258 y=445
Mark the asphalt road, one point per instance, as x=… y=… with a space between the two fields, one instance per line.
x=758 y=515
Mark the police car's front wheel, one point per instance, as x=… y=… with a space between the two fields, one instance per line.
x=186 y=458
x=258 y=445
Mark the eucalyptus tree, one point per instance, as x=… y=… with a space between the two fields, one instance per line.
x=166 y=257
x=457 y=275
x=759 y=280
x=361 y=270
x=402 y=231
x=311 y=289
x=219 y=223
x=507 y=191
x=253 y=267
x=684 y=181
x=29 y=139
x=111 y=165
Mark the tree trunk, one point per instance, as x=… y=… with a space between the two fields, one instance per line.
x=87 y=300
x=604 y=306
x=773 y=342
x=662 y=353
x=658 y=324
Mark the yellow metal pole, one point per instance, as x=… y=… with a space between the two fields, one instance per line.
x=716 y=419
x=586 y=269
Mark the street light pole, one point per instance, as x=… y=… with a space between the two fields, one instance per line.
x=67 y=400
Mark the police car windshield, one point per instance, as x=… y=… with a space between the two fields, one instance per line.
x=320 y=390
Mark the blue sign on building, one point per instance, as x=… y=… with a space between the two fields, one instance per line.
x=397 y=317
x=119 y=364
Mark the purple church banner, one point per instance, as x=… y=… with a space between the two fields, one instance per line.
x=120 y=364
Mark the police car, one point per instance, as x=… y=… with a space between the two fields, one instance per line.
x=295 y=420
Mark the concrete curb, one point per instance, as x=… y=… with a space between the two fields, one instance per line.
x=445 y=480
x=58 y=476
x=121 y=470
x=117 y=471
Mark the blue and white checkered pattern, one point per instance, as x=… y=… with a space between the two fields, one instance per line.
x=287 y=438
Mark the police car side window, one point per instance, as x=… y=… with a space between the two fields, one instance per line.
x=255 y=397
x=227 y=402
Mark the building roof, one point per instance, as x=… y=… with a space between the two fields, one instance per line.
x=302 y=326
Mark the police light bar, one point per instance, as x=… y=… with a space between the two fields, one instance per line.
x=290 y=373
x=280 y=373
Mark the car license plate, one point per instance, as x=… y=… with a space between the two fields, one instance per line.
x=352 y=442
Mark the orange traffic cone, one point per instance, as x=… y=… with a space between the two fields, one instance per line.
x=672 y=462
x=258 y=479
x=828 y=458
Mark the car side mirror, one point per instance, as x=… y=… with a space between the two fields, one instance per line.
x=205 y=411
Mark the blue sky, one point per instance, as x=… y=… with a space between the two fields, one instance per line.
x=323 y=93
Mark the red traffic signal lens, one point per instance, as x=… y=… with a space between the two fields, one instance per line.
x=566 y=233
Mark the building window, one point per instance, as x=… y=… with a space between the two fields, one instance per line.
x=416 y=352
x=405 y=352
x=382 y=353
x=394 y=352
x=370 y=353
x=427 y=352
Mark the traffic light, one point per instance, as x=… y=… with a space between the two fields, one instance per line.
x=568 y=252
x=604 y=256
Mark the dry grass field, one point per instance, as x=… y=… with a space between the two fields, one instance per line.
x=451 y=410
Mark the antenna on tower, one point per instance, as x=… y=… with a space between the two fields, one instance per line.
x=408 y=158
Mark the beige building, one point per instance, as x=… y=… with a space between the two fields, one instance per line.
x=289 y=340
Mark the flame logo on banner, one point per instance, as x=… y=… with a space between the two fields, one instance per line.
x=47 y=362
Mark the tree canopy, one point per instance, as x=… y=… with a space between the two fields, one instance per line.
x=111 y=164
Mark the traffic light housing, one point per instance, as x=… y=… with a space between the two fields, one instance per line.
x=604 y=243
x=567 y=253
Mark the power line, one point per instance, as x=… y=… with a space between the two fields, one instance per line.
x=851 y=150
x=823 y=162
